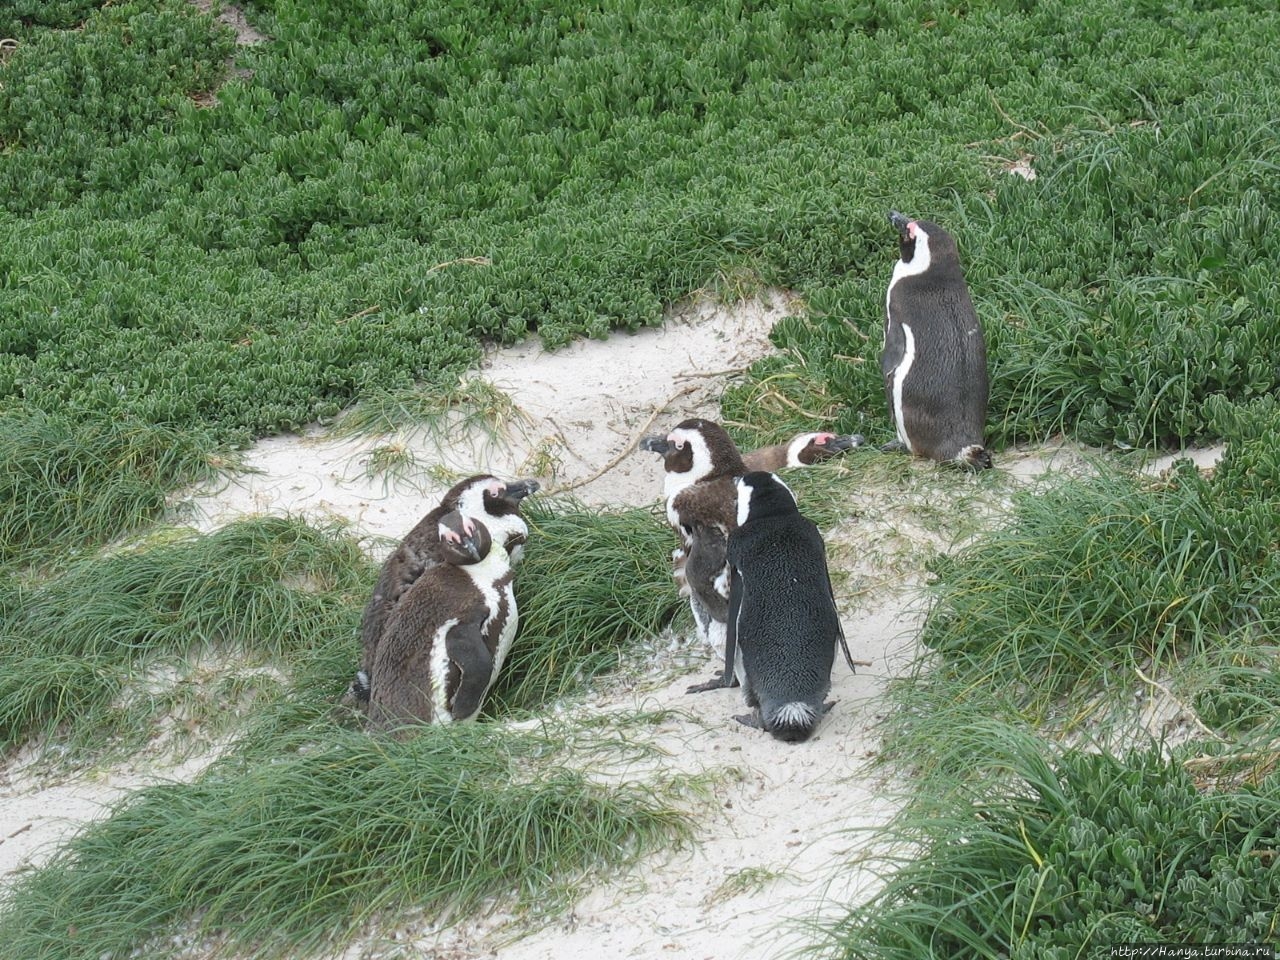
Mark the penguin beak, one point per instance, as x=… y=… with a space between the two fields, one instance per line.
x=659 y=445
x=841 y=444
x=472 y=546
x=899 y=223
x=520 y=489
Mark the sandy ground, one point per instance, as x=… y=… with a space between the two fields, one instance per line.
x=766 y=860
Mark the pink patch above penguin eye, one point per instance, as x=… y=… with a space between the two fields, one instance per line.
x=468 y=527
x=495 y=488
x=824 y=438
x=449 y=536
x=912 y=229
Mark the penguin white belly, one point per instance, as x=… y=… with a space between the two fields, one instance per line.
x=440 y=673
x=899 y=378
x=508 y=630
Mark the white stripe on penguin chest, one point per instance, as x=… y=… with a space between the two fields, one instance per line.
x=485 y=575
x=920 y=262
x=899 y=378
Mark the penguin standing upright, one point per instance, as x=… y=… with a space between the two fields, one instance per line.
x=782 y=611
x=446 y=639
x=934 y=360
x=482 y=497
x=701 y=462
x=802 y=450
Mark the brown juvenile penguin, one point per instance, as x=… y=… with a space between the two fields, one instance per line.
x=934 y=360
x=446 y=640
x=482 y=497
x=701 y=462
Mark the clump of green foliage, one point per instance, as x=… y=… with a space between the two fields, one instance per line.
x=68 y=486
x=84 y=651
x=253 y=238
x=591 y=584
x=297 y=852
x=1055 y=853
x=1094 y=583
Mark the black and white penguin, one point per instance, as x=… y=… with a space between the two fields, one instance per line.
x=782 y=611
x=802 y=450
x=446 y=639
x=701 y=463
x=935 y=357
x=482 y=497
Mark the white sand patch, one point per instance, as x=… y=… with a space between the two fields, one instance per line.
x=582 y=409
x=35 y=814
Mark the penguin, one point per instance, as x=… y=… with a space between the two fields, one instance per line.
x=701 y=462
x=934 y=359
x=483 y=497
x=447 y=638
x=782 y=611
x=802 y=450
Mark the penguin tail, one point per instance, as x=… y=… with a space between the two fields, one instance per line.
x=793 y=722
x=359 y=689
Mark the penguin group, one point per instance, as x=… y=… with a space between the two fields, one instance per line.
x=442 y=616
x=437 y=628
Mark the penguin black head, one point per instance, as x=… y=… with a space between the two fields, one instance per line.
x=697 y=449
x=463 y=540
x=486 y=495
x=763 y=494
x=922 y=243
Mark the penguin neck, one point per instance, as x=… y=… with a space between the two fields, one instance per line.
x=919 y=263
x=493 y=567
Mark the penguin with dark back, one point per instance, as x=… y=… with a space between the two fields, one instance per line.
x=934 y=360
x=446 y=639
x=482 y=497
x=782 y=610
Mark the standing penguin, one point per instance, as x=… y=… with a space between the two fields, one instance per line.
x=481 y=497
x=701 y=462
x=446 y=639
x=802 y=450
x=934 y=360
x=782 y=611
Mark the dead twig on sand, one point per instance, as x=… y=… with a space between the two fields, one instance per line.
x=630 y=444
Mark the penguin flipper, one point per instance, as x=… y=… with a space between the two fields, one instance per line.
x=467 y=652
x=751 y=720
x=844 y=644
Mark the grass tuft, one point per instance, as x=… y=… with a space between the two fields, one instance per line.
x=1047 y=853
x=98 y=653
x=300 y=851
x=67 y=486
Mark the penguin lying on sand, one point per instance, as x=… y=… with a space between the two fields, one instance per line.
x=782 y=611
x=481 y=497
x=934 y=360
x=802 y=450
x=701 y=462
x=445 y=641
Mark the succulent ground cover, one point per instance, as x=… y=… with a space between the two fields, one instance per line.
x=203 y=242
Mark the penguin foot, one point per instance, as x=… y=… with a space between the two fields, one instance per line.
x=826 y=707
x=716 y=683
x=895 y=446
x=751 y=720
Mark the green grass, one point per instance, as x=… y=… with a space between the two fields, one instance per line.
x=98 y=654
x=298 y=852
x=68 y=486
x=591 y=585
x=1063 y=853
x=382 y=185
